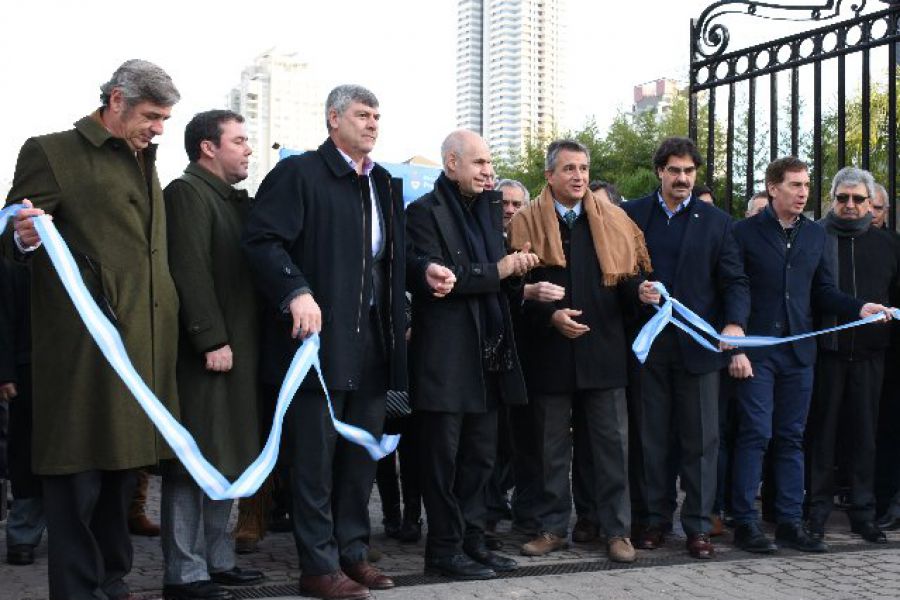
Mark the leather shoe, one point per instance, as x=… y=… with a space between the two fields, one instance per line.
x=142 y=526
x=480 y=554
x=889 y=522
x=584 y=531
x=458 y=566
x=717 y=528
x=20 y=554
x=237 y=576
x=369 y=576
x=333 y=586
x=699 y=546
x=869 y=532
x=544 y=544
x=195 y=590
x=816 y=529
x=749 y=537
x=619 y=549
x=651 y=538
x=795 y=535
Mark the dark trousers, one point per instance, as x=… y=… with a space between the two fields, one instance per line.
x=457 y=458
x=526 y=468
x=686 y=405
x=25 y=484
x=331 y=478
x=727 y=432
x=390 y=490
x=773 y=404
x=887 y=467
x=840 y=383
x=606 y=422
x=501 y=481
x=90 y=550
x=582 y=466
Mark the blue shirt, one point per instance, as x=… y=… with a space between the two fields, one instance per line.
x=678 y=209
x=562 y=210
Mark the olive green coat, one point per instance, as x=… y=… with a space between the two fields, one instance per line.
x=205 y=217
x=110 y=211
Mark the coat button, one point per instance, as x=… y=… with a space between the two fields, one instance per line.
x=286 y=270
x=787 y=296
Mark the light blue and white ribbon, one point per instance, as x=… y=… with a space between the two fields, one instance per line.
x=179 y=439
x=666 y=314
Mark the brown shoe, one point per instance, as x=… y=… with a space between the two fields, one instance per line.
x=718 y=528
x=544 y=544
x=333 y=586
x=141 y=525
x=364 y=573
x=619 y=549
x=699 y=546
x=584 y=531
x=651 y=538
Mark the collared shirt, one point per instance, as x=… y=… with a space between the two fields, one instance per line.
x=367 y=166
x=561 y=209
x=678 y=209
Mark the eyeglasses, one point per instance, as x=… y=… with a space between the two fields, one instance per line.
x=845 y=198
x=676 y=171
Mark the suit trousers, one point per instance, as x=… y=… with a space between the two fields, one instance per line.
x=582 y=466
x=772 y=405
x=497 y=491
x=842 y=384
x=675 y=402
x=90 y=549
x=331 y=478
x=193 y=529
x=526 y=468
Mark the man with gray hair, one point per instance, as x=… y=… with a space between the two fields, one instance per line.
x=99 y=183
x=879 y=205
x=326 y=244
x=515 y=197
x=850 y=365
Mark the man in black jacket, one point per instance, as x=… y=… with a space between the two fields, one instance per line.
x=326 y=243
x=694 y=254
x=850 y=366
x=463 y=360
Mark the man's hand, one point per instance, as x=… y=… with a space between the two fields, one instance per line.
x=740 y=367
x=440 y=279
x=306 y=315
x=24 y=224
x=871 y=308
x=8 y=391
x=648 y=294
x=544 y=291
x=566 y=325
x=731 y=330
x=518 y=263
x=219 y=360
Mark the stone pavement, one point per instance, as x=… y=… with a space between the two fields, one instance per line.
x=853 y=569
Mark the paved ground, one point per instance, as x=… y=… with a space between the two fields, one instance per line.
x=852 y=570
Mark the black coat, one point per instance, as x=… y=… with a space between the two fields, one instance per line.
x=308 y=229
x=555 y=364
x=788 y=283
x=445 y=349
x=709 y=278
x=15 y=309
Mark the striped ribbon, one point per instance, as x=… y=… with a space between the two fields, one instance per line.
x=666 y=314
x=179 y=439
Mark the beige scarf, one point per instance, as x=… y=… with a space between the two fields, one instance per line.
x=618 y=242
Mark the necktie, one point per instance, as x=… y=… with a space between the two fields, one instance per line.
x=569 y=218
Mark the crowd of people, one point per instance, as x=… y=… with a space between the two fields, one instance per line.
x=500 y=326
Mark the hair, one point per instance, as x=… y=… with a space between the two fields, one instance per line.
x=556 y=146
x=880 y=189
x=675 y=146
x=504 y=183
x=777 y=168
x=762 y=194
x=701 y=189
x=139 y=81
x=206 y=126
x=852 y=176
x=614 y=196
x=344 y=95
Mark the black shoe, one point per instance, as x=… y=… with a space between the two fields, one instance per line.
x=889 y=522
x=815 y=529
x=458 y=566
x=794 y=535
x=410 y=532
x=237 y=576
x=749 y=537
x=20 y=554
x=500 y=564
x=869 y=532
x=196 y=590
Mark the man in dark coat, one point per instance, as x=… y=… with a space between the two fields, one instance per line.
x=790 y=272
x=217 y=353
x=463 y=361
x=562 y=343
x=326 y=244
x=99 y=182
x=695 y=256
x=850 y=366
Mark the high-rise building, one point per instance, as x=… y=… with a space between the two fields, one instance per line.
x=509 y=70
x=656 y=96
x=283 y=103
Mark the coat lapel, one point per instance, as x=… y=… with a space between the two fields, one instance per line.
x=455 y=244
x=693 y=230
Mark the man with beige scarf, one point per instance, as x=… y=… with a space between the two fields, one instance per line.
x=574 y=349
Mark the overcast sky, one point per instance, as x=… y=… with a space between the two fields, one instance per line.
x=55 y=54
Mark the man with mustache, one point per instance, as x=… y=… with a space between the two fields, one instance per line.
x=694 y=255
x=850 y=365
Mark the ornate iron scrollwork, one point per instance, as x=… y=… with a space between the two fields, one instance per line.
x=710 y=39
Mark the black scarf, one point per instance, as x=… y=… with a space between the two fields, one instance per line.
x=836 y=227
